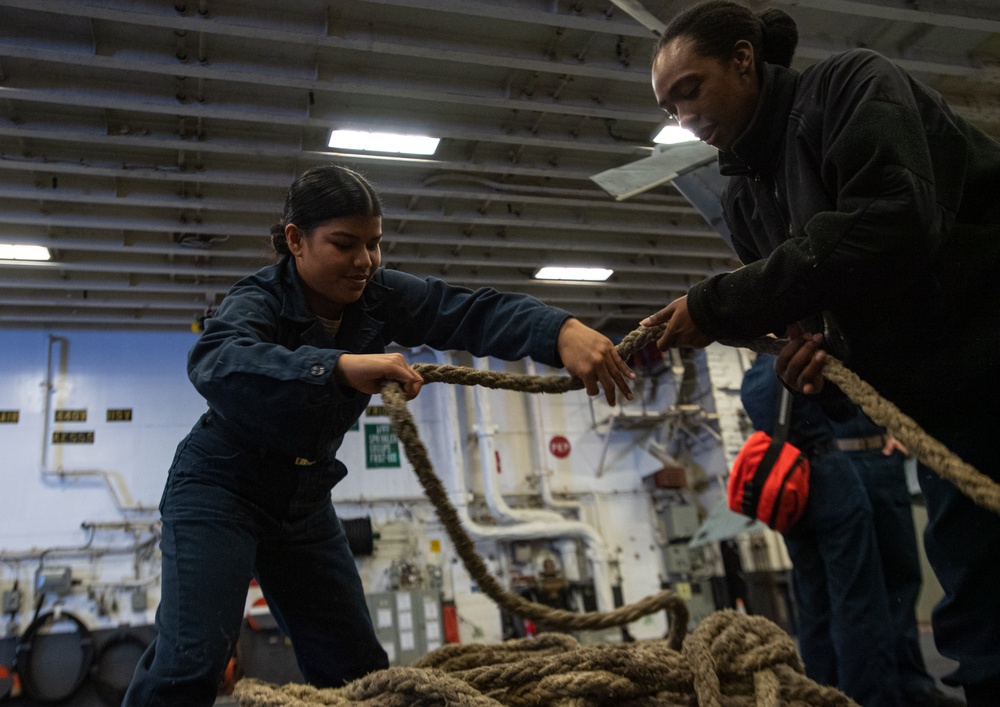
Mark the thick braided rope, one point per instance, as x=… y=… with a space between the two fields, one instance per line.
x=732 y=655
x=406 y=430
x=394 y=687
x=969 y=480
x=973 y=483
x=517 y=673
x=730 y=660
x=463 y=375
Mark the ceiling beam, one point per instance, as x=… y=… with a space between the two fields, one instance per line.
x=116 y=224
x=69 y=284
x=656 y=281
x=115 y=169
x=637 y=74
x=514 y=12
x=134 y=16
x=711 y=249
x=585 y=200
x=545 y=289
x=362 y=86
x=635 y=10
x=249 y=114
x=895 y=13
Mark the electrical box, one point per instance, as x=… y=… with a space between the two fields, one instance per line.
x=53 y=580
x=382 y=607
x=11 y=602
x=680 y=521
x=139 y=600
x=522 y=553
x=677 y=559
x=698 y=597
x=408 y=623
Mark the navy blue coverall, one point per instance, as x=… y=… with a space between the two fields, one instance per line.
x=884 y=477
x=248 y=492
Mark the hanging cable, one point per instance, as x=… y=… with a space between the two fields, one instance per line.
x=36 y=651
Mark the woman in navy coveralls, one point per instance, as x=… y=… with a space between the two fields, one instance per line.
x=287 y=365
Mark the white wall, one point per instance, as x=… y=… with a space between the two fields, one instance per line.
x=145 y=372
x=40 y=512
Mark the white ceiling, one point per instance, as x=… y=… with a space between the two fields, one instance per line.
x=148 y=143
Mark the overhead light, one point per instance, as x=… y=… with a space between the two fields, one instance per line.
x=383 y=142
x=673 y=134
x=9 y=251
x=574 y=274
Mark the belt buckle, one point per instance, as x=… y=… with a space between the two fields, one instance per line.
x=302 y=461
x=875 y=442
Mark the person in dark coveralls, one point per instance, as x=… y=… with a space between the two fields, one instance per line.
x=867 y=215
x=287 y=365
x=846 y=635
x=880 y=461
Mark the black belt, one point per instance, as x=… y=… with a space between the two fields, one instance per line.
x=861 y=444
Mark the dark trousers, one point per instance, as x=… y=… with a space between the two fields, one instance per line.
x=950 y=384
x=845 y=634
x=214 y=541
x=884 y=478
x=963 y=546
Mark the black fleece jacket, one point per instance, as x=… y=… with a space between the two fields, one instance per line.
x=867 y=210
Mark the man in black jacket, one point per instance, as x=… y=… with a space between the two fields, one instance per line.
x=866 y=212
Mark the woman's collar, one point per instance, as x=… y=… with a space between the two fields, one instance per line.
x=759 y=148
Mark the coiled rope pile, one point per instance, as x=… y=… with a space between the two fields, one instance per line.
x=729 y=660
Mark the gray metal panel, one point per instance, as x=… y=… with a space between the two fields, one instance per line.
x=382 y=606
x=407 y=623
x=680 y=521
x=703 y=188
x=427 y=611
x=666 y=165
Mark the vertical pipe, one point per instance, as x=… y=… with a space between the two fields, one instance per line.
x=486 y=434
x=595 y=549
x=536 y=427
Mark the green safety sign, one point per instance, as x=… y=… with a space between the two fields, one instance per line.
x=381 y=446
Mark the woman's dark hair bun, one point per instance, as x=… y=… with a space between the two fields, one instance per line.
x=320 y=194
x=717 y=25
x=781 y=36
x=278 y=241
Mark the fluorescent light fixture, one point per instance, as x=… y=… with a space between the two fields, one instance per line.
x=673 y=134
x=383 y=142
x=576 y=274
x=9 y=251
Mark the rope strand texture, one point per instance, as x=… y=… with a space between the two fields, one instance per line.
x=402 y=423
x=973 y=483
x=983 y=490
x=729 y=660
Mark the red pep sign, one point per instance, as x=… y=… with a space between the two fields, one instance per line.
x=560 y=447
